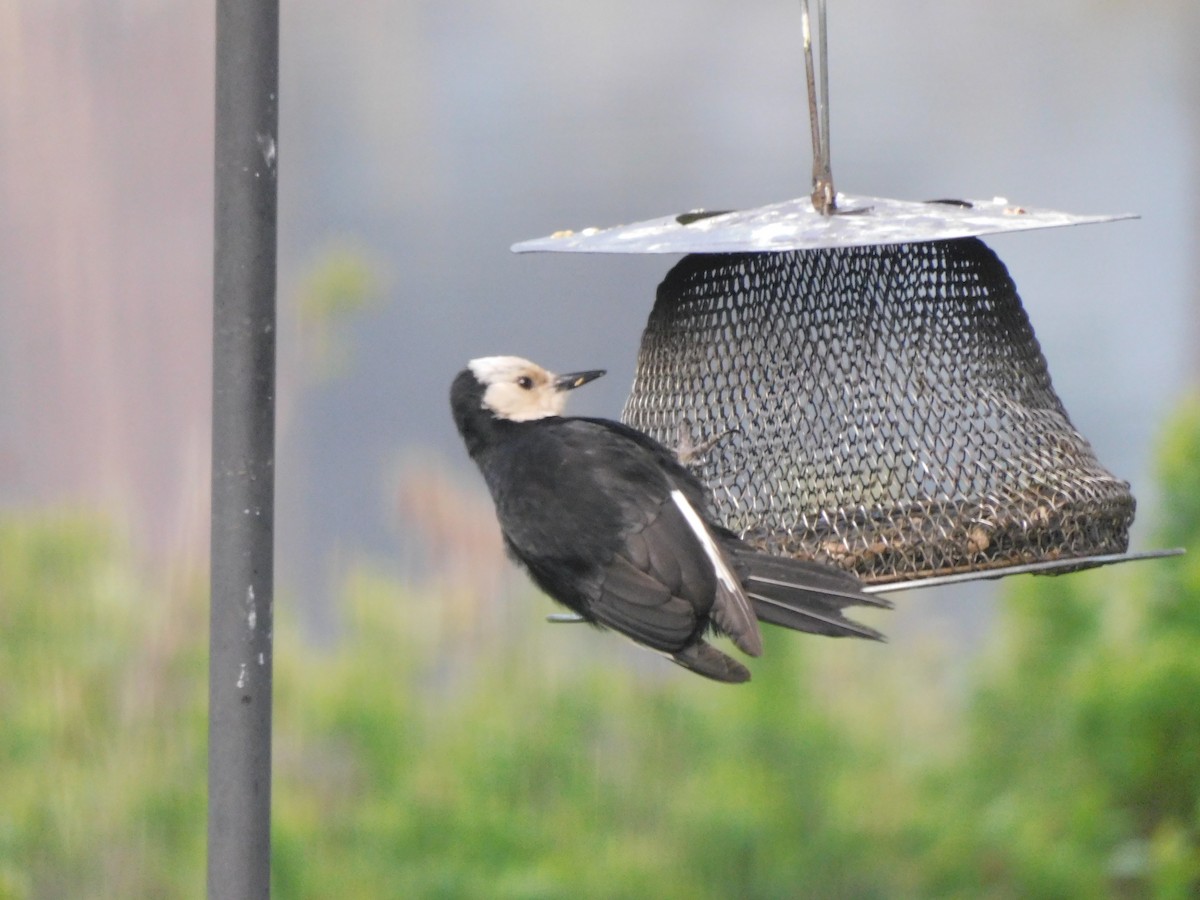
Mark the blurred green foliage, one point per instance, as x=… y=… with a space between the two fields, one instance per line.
x=342 y=282
x=410 y=764
x=102 y=723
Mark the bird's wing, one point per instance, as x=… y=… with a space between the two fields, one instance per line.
x=668 y=577
x=732 y=612
x=602 y=527
x=641 y=607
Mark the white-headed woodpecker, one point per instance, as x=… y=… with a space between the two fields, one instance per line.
x=609 y=523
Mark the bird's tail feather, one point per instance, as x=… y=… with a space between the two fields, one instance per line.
x=705 y=659
x=803 y=595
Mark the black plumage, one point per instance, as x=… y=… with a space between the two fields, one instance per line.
x=608 y=522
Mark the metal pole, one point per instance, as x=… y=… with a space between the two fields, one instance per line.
x=243 y=476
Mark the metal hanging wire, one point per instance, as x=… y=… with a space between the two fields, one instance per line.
x=824 y=219
x=824 y=196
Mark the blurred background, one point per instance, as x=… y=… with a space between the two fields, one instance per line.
x=434 y=736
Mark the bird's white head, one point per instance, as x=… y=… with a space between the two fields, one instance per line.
x=520 y=391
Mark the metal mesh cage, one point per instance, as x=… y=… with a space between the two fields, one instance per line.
x=886 y=409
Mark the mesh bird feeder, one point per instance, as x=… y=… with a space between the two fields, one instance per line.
x=856 y=381
x=883 y=408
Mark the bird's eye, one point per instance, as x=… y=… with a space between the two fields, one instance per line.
x=525 y=382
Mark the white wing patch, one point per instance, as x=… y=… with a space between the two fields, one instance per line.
x=710 y=548
x=732 y=610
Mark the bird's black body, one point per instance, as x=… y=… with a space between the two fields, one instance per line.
x=608 y=522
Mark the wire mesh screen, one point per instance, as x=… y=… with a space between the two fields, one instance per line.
x=886 y=409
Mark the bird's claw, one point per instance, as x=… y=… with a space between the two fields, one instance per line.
x=687 y=451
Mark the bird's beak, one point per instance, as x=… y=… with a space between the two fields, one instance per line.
x=573 y=380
